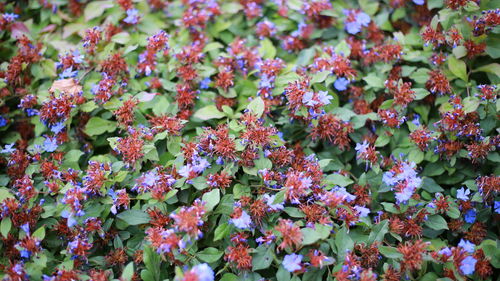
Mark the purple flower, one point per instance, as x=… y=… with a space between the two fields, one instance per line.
x=352 y=27
x=9 y=17
x=341 y=84
x=467 y=245
x=419 y=2
x=132 y=16
x=470 y=216
x=363 y=212
x=445 y=251
x=292 y=262
x=463 y=194
x=468 y=265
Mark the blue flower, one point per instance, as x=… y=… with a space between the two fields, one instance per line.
x=68 y=73
x=292 y=262
x=25 y=254
x=132 y=16
x=470 y=216
x=58 y=127
x=467 y=245
x=463 y=194
x=468 y=265
x=308 y=100
x=50 y=144
x=352 y=27
x=324 y=97
x=205 y=83
x=3 y=121
x=26 y=227
x=361 y=147
x=363 y=19
x=8 y=17
x=204 y=272
x=8 y=148
x=244 y=221
x=341 y=84
x=497 y=207
x=419 y=2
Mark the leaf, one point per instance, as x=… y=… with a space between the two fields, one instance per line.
x=267 y=49
x=378 y=232
x=257 y=106
x=343 y=242
x=390 y=252
x=430 y=185
x=369 y=6
x=68 y=86
x=263 y=257
x=128 y=272
x=222 y=231
x=211 y=199
x=210 y=254
x=96 y=9
x=209 y=112
x=134 y=217
x=436 y=222
x=97 y=126
x=39 y=233
x=338 y=179
x=458 y=68
x=311 y=236
x=374 y=81
x=73 y=155
x=121 y=38
x=5 y=226
x=471 y=104
x=230 y=277
x=493 y=68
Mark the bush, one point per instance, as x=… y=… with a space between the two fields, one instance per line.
x=249 y=140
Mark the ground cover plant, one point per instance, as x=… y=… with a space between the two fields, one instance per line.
x=249 y=140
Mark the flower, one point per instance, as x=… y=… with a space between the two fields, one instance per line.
x=419 y=2
x=470 y=216
x=467 y=266
x=270 y=200
x=497 y=207
x=243 y=221
x=341 y=84
x=132 y=16
x=467 y=246
x=308 y=100
x=50 y=144
x=463 y=194
x=204 y=272
x=292 y=262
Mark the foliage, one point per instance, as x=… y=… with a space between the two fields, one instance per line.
x=249 y=140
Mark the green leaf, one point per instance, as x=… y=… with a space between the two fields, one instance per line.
x=134 y=217
x=493 y=46
x=470 y=104
x=73 y=155
x=210 y=254
x=458 y=68
x=211 y=199
x=311 y=236
x=257 y=106
x=128 y=272
x=5 y=226
x=343 y=242
x=209 y=112
x=390 y=252
x=230 y=277
x=374 y=81
x=263 y=257
x=378 y=232
x=267 y=49
x=338 y=179
x=436 y=222
x=370 y=7
x=430 y=185
x=121 y=38
x=97 y=126
x=39 y=233
x=493 y=68
x=96 y=9
x=222 y=231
